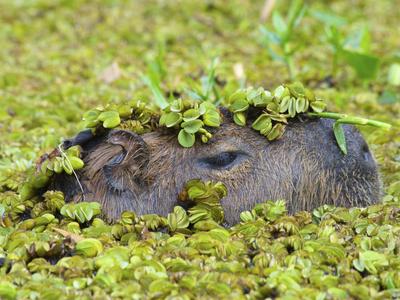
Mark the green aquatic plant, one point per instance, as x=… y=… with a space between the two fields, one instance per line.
x=135 y=116
x=51 y=60
x=192 y=118
x=56 y=162
x=286 y=101
x=81 y=212
x=206 y=196
x=331 y=252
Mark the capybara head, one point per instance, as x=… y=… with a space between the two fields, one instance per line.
x=145 y=173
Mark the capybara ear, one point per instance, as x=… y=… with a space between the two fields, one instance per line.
x=118 y=163
x=80 y=139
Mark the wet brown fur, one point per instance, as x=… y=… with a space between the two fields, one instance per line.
x=124 y=171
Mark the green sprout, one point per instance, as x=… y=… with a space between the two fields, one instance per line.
x=354 y=50
x=280 y=41
x=156 y=72
x=206 y=89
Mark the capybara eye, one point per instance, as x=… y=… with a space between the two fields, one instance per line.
x=222 y=160
x=367 y=154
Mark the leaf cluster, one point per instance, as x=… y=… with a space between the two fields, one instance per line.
x=81 y=212
x=191 y=119
x=206 y=197
x=55 y=163
x=275 y=108
x=330 y=253
x=136 y=116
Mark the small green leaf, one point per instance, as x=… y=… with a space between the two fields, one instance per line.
x=276 y=132
x=238 y=95
x=58 y=165
x=366 y=66
x=40 y=181
x=110 y=119
x=195 y=192
x=124 y=111
x=318 y=106
x=178 y=219
x=266 y=130
x=191 y=114
x=67 y=166
x=340 y=137
x=112 y=122
x=186 y=139
x=292 y=107
x=297 y=89
x=91 y=115
x=262 y=98
x=162 y=120
x=261 y=122
x=239 y=105
x=280 y=92
x=394 y=75
x=284 y=105
x=27 y=191
x=246 y=216
x=172 y=119
x=76 y=162
x=212 y=118
x=301 y=105
x=89 y=247
x=8 y=291
x=239 y=118
x=107 y=115
x=373 y=261
x=177 y=106
x=192 y=126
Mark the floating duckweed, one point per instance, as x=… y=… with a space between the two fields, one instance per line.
x=54 y=200
x=191 y=118
x=206 y=196
x=89 y=247
x=287 y=101
x=331 y=252
x=81 y=212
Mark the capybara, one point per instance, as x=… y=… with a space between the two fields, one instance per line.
x=145 y=173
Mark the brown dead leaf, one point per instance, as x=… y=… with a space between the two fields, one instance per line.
x=111 y=73
x=73 y=236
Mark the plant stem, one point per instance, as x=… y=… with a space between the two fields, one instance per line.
x=346 y=119
x=328 y=115
x=334 y=64
x=291 y=68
